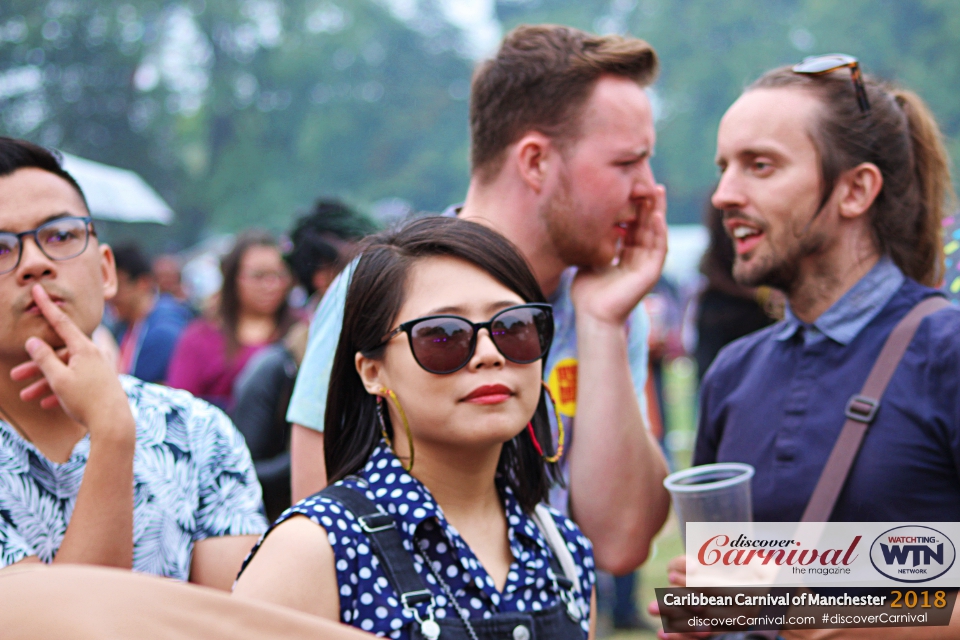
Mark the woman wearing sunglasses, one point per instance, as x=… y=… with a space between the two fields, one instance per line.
x=440 y=455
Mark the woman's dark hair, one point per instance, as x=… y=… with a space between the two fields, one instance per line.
x=901 y=137
x=375 y=295
x=717 y=261
x=229 y=307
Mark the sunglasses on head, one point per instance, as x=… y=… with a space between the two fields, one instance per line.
x=818 y=65
x=446 y=343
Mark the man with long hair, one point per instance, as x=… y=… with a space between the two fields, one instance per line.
x=833 y=189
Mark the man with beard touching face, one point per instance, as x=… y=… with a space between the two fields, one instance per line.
x=562 y=135
x=838 y=202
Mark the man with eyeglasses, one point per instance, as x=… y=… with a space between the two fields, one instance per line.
x=561 y=139
x=96 y=469
x=833 y=187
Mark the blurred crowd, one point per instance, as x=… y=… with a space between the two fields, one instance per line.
x=240 y=347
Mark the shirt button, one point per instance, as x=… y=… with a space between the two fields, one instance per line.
x=520 y=632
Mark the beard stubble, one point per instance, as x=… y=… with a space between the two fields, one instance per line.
x=571 y=244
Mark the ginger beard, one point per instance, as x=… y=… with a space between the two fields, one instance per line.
x=572 y=239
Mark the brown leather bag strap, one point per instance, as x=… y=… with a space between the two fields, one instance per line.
x=862 y=409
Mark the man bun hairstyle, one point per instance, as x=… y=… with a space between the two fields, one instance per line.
x=540 y=80
x=323 y=238
x=901 y=137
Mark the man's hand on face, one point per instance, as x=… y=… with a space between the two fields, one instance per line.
x=77 y=378
x=609 y=294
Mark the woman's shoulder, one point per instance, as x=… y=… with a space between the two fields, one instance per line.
x=577 y=544
x=568 y=529
x=328 y=512
x=330 y=519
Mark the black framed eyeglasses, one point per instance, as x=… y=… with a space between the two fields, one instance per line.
x=58 y=239
x=819 y=65
x=445 y=343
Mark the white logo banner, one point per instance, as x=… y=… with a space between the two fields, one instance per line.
x=864 y=554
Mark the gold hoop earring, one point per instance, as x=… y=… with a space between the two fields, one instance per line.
x=560 y=434
x=403 y=418
x=383 y=424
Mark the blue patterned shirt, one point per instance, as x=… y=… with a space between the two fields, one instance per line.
x=369 y=602
x=193 y=479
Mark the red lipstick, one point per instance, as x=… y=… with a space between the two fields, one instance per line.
x=489 y=394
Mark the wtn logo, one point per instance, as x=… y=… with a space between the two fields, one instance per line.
x=912 y=554
x=897 y=554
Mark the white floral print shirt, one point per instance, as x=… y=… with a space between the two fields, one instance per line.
x=193 y=479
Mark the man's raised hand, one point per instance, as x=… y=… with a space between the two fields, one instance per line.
x=610 y=294
x=78 y=377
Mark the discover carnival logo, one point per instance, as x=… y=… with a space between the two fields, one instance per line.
x=912 y=553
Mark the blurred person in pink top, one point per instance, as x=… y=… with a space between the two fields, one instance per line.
x=251 y=312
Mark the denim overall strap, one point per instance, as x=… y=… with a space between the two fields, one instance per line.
x=381 y=528
x=553 y=623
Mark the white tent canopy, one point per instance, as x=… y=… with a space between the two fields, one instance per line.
x=117 y=194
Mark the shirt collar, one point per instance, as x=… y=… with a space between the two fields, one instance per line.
x=844 y=320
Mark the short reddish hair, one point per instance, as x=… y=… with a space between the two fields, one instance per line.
x=540 y=80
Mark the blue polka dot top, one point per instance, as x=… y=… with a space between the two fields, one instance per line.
x=369 y=602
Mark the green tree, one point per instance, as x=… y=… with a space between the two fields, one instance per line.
x=240 y=112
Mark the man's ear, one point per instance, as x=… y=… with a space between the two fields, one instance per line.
x=370 y=372
x=534 y=155
x=108 y=270
x=858 y=188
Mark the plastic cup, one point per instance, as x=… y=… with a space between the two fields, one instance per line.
x=711 y=493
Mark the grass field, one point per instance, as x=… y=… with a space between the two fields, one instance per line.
x=680 y=391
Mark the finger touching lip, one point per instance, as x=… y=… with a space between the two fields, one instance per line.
x=29 y=302
x=33 y=309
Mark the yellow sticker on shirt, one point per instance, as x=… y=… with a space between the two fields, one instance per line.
x=563 y=386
